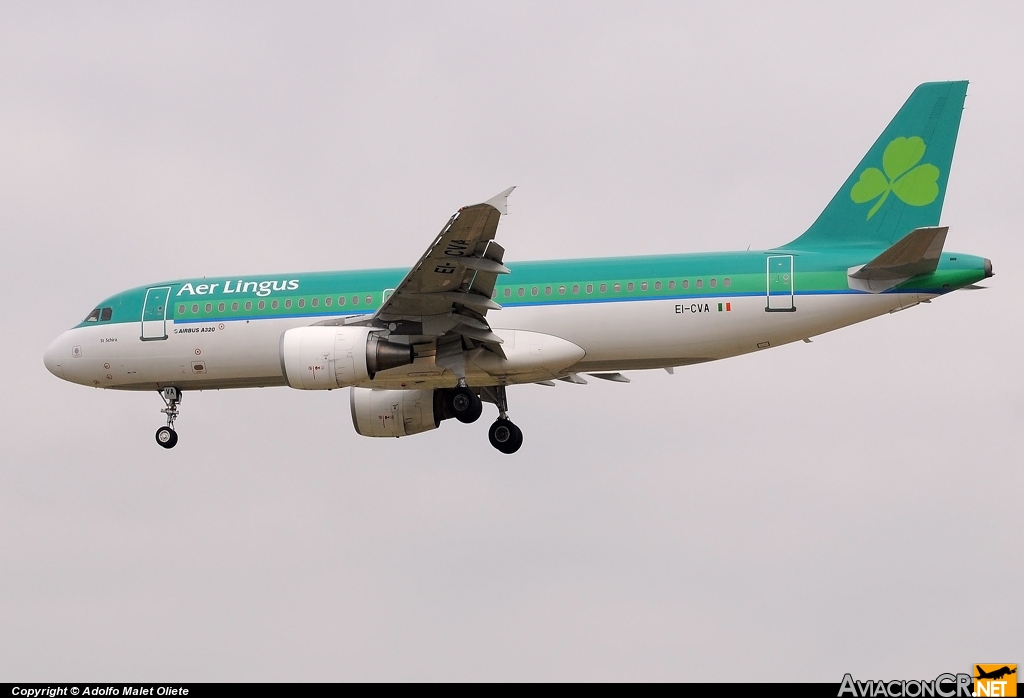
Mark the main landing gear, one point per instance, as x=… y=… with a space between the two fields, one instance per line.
x=466 y=405
x=166 y=436
x=503 y=434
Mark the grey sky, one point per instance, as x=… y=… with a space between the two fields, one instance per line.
x=848 y=505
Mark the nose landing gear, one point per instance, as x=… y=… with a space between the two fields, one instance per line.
x=166 y=436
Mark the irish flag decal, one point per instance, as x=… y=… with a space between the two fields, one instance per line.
x=727 y=307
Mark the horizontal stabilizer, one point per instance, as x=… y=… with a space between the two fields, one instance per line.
x=917 y=253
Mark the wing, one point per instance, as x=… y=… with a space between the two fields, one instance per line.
x=449 y=290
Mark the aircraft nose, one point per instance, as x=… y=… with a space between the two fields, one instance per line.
x=52 y=358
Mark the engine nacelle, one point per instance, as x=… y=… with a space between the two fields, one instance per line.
x=395 y=412
x=322 y=358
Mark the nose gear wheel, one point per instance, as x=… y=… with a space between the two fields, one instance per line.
x=166 y=436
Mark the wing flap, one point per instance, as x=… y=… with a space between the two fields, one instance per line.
x=460 y=267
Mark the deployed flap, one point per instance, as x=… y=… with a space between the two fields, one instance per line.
x=917 y=253
x=447 y=269
x=451 y=286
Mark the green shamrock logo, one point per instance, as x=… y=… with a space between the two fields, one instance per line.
x=916 y=186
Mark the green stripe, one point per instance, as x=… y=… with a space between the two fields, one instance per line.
x=734 y=274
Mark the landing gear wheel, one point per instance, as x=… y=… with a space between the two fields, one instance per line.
x=505 y=436
x=166 y=437
x=464 y=405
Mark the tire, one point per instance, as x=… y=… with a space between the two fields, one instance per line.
x=166 y=437
x=464 y=405
x=505 y=436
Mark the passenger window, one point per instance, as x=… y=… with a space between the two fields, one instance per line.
x=534 y=291
x=671 y=285
x=355 y=300
x=643 y=286
x=604 y=288
x=302 y=303
x=547 y=290
x=727 y=281
x=522 y=291
x=657 y=285
x=629 y=286
x=262 y=305
x=288 y=303
x=316 y=302
x=273 y=304
x=234 y=306
x=195 y=308
x=575 y=289
x=181 y=310
x=590 y=288
x=248 y=305
x=327 y=301
x=713 y=282
x=369 y=300
x=617 y=287
x=341 y=300
x=508 y=292
x=220 y=307
x=209 y=307
x=686 y=284
x=700 y=283
x=561 y=290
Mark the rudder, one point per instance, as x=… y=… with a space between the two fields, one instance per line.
x=900 y=183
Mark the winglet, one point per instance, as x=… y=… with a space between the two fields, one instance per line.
x=500 y=201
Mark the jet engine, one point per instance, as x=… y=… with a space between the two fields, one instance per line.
x=322 y=358
x=396 y=412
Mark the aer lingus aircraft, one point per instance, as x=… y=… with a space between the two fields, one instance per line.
x=419 y=346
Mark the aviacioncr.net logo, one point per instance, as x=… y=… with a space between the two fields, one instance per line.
x=943 y=686
x=912 y=184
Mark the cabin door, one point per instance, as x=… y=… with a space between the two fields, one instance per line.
x=154 y=313
x=780 y=284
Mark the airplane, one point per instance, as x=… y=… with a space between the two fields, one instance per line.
x=419 y=346
x=996 y=674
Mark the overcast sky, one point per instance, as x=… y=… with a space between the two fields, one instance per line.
x=847 y=505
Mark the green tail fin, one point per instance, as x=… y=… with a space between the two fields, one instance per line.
x=901 y=182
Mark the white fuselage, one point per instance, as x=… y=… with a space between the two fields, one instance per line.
x=614 y=336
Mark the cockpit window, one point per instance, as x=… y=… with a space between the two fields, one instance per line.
x=93 y=316
x=106 y=313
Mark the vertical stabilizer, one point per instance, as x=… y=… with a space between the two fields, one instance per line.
x=901 y=182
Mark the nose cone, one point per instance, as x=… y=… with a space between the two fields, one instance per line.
x=52 y=358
